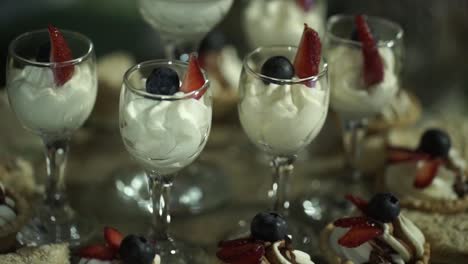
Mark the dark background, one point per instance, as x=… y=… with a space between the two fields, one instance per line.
x=436 y=37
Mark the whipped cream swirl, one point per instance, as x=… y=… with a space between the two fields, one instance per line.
x=279 y=252
x=166 y=134
x=282 y=119
x=407 y=245
x=350 y=97
x=43 y=107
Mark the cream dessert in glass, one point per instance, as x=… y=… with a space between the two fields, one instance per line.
x=365 y=56
x=164 y=125
x=282 y=107
x=182 y=24
x=52 y=86
x=278 y=22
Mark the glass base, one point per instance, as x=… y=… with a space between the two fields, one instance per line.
x=200 y=187
x=46 y=228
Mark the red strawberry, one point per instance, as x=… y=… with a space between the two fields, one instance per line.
x=251 y=253
x=307 y=61
x=113 y=237
x=100 y=252
x=397 y=154
x=60 y=52
x=360 y=234
x=360 y=203
x=235 y=242
x=426 y=173
x=306 y=5
x=373 y=65
x=193 y=79
x=351 y=222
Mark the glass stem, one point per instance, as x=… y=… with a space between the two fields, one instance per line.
x=56 y=157
x=282 y=172
x=354 y=131
x=160 y=189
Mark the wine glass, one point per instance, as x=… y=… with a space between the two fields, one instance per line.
x=282 y=117
x=182 y=24
x=52 y=110
x=164 y=134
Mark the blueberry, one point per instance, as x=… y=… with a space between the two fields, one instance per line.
x=43 y=52
x=435 y=142
x=136 y=250
x=214 y=41
x=278 y=67
x=269 y=227
x=163 y=81
x=383 y=207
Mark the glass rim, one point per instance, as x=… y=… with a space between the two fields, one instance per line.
x=75 y=61
x=160 y=97
x=381 y=43
x=322 y=72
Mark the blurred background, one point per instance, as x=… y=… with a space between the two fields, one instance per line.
x=436 y=33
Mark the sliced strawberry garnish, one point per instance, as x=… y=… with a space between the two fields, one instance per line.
x=427 y=170
x=60 y=52
x=113 y=237
x=307 y=60
x=100 y=252
x=235 y=242
x=194 y=78
x=398 y=154
x=360 y=203
x=360 y=234
x=306 y=5
x=351 y=221
x=250 y=253
x=373 y=65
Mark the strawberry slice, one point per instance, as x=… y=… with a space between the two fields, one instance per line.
x=427 y=170
x=360 y=203
x=245 y=253
x=351 y=222
x=373 y=65
x=360 y=234
x=60 y=52
x=194 y=78
x=306 y=5
x=100 y=252
x=398 y=154
x=307 y=60
x=113 y=237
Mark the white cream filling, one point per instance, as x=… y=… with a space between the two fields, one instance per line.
x=301 y=257
x=279 y=22
x=361 y=254
x=43 y=107
x=399 y=179
x=350 y=96
x=166 y=134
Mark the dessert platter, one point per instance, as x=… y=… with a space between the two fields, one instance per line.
x=160 y=116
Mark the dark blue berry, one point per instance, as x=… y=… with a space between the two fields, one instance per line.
x=214 y=41
x=435 y=142
x=269 y=227
x=136 y=250
x=383 y=207
x=278 y=67
x=163 y=81
x=43 y=52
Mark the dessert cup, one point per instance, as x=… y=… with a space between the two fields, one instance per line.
x=178 y=131
x=281 y=117
x=52 y=100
